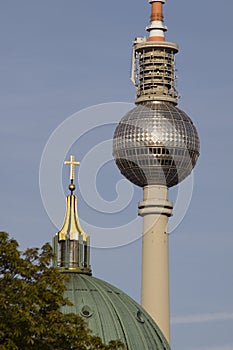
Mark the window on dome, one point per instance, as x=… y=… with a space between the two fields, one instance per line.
x=86 y=311
x=139 y=317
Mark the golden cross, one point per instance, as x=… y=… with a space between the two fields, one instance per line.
x=72 y=164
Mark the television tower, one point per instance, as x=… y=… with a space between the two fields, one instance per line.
x=155 y=146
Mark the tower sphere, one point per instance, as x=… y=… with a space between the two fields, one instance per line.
x=156 y=143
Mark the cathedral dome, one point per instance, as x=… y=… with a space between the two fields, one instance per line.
x=111 y=314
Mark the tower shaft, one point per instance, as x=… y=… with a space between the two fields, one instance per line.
x=155 y=297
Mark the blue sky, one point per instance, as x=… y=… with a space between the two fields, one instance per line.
x=59 y=57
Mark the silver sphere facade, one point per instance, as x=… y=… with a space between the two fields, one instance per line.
x=156 y=144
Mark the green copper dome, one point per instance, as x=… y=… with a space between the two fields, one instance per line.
x=111 y=314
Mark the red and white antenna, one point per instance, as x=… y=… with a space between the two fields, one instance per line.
x=157 y=28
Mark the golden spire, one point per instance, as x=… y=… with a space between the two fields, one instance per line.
x=71 y=243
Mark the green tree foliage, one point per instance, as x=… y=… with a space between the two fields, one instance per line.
x=31 y=294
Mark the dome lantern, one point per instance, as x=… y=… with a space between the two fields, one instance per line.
x=71 y=244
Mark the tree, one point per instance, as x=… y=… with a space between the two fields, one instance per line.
x=31 y=294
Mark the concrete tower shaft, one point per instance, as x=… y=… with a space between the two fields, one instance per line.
x=155 y=296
